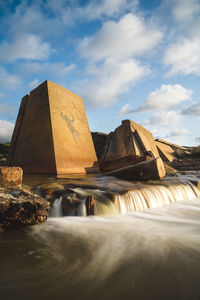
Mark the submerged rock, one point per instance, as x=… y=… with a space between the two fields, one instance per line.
x=19 y=208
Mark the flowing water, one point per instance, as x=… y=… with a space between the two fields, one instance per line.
x=138 y=247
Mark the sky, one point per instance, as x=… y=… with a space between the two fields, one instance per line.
x=127 y=59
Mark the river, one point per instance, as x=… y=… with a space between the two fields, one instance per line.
x=148 y=254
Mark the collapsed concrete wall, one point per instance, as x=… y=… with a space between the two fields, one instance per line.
x=129 y=142
x=52 y=134
x=131 y=150
x=170 y=152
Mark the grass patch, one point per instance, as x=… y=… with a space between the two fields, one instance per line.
x=4 y=148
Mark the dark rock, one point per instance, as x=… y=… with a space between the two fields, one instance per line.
x=99 y=140
x=19 y=208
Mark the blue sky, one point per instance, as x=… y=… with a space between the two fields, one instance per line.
x=128 y=59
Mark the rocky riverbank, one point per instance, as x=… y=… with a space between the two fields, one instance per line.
x=19 y=207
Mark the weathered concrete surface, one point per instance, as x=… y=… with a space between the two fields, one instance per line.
x=51 y=134
x=128 y=140
x=19 y=208
x=10 y=176
x=171 y=144
x=166 y=152
x=148 y=170
x=122 y=162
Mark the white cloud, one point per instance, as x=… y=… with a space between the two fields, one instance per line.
x=93 y=10
x=109 y=81
x=167 y=125
x=8 y=81
x=33 y=84
x=6 y=130
x=27 y=46
x=184 y=57
x=112 y=67
x=185 y=12
x=58 y=69
x=126 y=38
x=193 y=109
x=125 y=110
x=165 y=98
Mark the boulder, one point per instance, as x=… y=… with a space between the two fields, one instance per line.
x=10 y=176
x=148 y=170
x=19 y=208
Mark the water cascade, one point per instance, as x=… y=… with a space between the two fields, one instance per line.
x=56 y=210
x=152 y=196
x=140 y=198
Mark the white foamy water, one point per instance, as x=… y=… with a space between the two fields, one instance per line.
x=153 y=196
x=56 y=210
x=144 y=244
x=151 y=254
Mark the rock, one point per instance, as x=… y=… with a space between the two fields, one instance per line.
x=19 y=208
x=130 y=143
x=52 y=135
x=148 y=170
x=70 y=202
x=99 y=140
x=48 y=191
x=10 y=176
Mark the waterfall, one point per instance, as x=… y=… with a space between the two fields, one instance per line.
x=81 y=209
x=140 y=197
x=152 y=196
x=56 y=210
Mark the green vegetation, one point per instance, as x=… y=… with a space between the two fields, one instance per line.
x=4 y=152
x=195 y=153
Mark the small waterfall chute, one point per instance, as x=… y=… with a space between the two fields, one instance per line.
x=56 y=210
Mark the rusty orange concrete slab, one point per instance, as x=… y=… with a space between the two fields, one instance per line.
x=52 y=134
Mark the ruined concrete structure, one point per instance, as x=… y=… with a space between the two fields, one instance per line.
x=166 y=152
x=52 y=134
x=129 y=139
